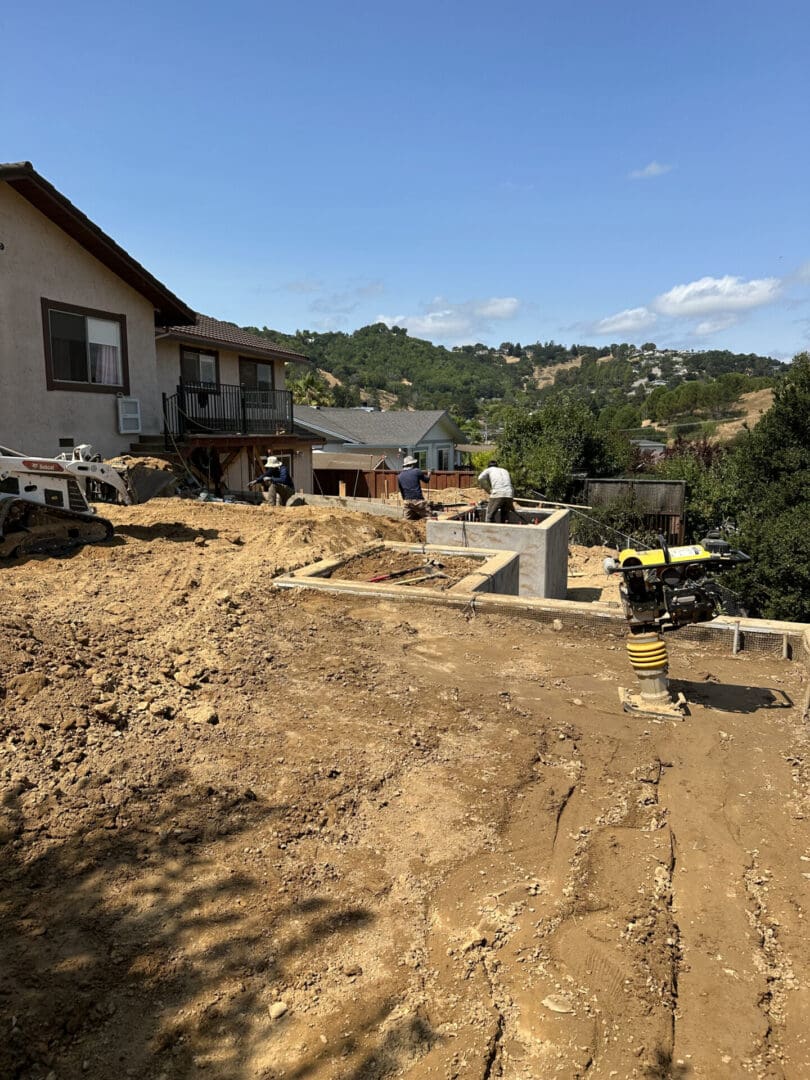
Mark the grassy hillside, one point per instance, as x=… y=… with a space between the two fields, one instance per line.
x=628 y=387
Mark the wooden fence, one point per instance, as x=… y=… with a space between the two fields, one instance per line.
x=660 y=503
x=380 y=483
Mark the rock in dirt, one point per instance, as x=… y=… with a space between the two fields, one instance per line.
x=557 y=1003
x=202 y=714
x=277 y=1010
x=27 y=685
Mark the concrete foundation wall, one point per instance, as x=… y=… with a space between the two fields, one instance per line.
x=543 y=548
x=500 y=575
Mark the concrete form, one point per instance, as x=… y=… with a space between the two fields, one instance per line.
x=789 y=640
x=498 y=572
x=543 y=547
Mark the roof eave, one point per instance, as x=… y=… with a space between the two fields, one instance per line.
x=214 y=343
x=23 y=178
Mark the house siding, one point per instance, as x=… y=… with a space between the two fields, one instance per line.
x=168 y=363
x=40 y=260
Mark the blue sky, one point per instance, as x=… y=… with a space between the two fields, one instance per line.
x=587 y=172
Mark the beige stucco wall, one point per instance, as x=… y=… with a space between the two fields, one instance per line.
x=168 y=363
x=238 y=474
x=39 y=260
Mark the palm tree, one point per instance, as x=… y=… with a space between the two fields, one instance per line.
x=310 y=389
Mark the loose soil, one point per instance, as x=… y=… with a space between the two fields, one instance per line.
x=249 y=833
x=448 y=569
x=587 y=579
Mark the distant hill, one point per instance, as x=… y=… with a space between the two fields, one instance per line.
x=624 y=383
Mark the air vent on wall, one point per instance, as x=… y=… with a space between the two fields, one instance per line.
x=129 y=416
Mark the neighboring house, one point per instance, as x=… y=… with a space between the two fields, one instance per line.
x=94 y=349
x=650 y=446
x=223 y=389
x=430 y=435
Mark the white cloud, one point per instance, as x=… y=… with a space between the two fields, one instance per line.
x=655 y=168
x=714 y=326
x=631 y=319
x=716 y=302
x=499 y=307
x=459 y=323
x=709 y=296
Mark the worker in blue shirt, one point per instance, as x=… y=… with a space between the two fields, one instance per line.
x=409 y=482
x=276 y=481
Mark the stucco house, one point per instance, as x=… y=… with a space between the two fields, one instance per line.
x=431 y=435
x=94 y=349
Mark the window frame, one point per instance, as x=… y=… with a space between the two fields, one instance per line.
x=265 y=363
x=51 y=382
x=199 y=386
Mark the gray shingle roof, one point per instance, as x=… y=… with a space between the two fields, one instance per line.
x=374 y=428
x=208 y=331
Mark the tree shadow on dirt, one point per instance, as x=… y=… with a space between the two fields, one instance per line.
x=664 y=1068
x=128 y=943
x=166 y=530
x=731 y=697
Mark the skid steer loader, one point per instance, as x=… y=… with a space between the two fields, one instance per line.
x=44 y=502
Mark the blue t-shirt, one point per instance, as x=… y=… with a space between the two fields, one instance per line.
x=279 y=474
x=409 y=481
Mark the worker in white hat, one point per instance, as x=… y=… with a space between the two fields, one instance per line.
x=409 y=482
x=276 y=481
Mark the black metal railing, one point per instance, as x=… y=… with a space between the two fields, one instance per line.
x=204 y=409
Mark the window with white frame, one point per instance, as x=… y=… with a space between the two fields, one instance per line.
x=444 y=457
x=85 y=349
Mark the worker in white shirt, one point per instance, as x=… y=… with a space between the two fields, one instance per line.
x=498 y=483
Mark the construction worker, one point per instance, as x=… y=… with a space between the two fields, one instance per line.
x=498 y=482
x=409 y=482
x=276 y=481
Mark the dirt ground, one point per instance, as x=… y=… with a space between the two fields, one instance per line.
x=250 y=834
x=587 y=579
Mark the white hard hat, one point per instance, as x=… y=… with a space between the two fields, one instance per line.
x=272 y=461
x=410 y=460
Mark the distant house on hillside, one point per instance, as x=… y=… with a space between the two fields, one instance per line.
x=649 y=446
x=429 y=435
x=94 y=349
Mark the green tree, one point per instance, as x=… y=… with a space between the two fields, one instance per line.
x=310 y=389
x=773 y=488
x=544 y=449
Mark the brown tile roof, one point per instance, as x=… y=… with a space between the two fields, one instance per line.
x=208 y=331
x=26 y=181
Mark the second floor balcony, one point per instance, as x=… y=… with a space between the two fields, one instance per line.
x=226 y=409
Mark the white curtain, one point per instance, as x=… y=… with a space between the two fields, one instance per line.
x=104 y=338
